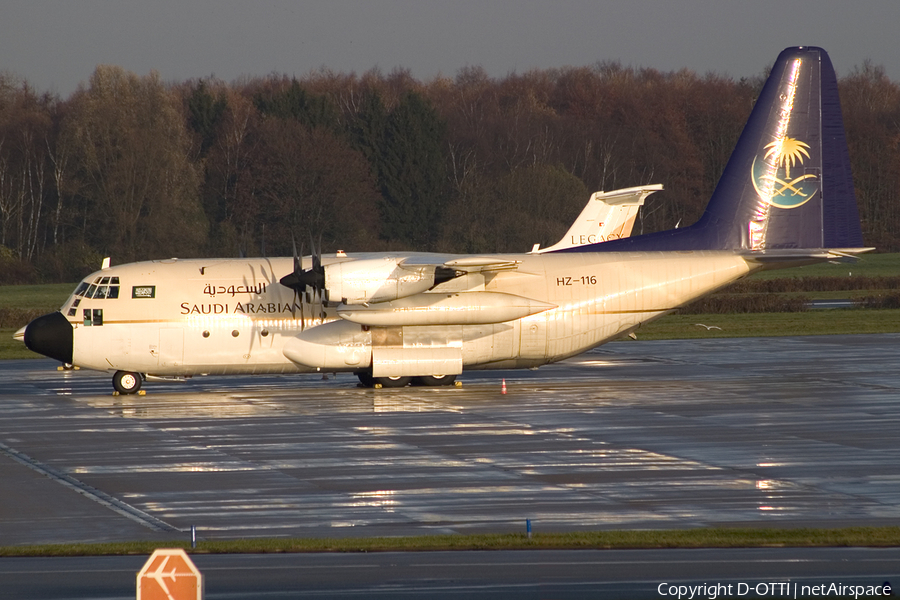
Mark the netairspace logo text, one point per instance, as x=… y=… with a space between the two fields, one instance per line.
x=786 y=589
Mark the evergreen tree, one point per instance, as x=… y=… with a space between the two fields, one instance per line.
x=204 y=113
x=412 y=173
x=368 y=128
x=296 y=103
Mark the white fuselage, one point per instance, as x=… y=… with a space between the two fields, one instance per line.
x=189 y=317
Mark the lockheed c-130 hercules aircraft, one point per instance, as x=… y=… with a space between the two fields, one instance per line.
x=786 y=198
x=606 y=216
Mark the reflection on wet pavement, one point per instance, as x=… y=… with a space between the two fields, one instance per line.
x=632 y=435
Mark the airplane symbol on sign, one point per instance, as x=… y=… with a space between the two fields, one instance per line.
x=159 y=575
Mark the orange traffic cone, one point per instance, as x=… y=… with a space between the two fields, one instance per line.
x=503 y=387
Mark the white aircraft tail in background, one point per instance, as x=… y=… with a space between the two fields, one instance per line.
x=607 y=216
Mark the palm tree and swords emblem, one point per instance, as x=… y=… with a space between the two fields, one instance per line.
x=772 y=176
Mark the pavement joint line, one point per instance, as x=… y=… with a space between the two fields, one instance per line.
x=102 y=498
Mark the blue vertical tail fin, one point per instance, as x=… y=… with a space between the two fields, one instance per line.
x=788 y=183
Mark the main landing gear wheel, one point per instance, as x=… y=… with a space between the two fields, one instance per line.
x=392 y=382
x=126 y=382
x=366 y=379
x=434 y=380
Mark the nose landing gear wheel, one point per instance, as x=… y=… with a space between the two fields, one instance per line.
x=126 y=382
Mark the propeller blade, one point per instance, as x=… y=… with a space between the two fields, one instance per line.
x=302 y=316
x=316 y=254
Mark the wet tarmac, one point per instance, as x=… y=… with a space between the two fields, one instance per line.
x=649 y=434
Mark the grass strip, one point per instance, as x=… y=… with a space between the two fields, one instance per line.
x=11 y=349
x=812 y=322
x=50 y=295
x=868 y=265
x=586 y=540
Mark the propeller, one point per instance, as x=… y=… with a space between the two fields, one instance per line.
x=301 y=280
x=315 y=276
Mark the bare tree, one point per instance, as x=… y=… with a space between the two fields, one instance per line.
x=132 y=150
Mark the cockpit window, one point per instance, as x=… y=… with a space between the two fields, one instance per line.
x=100 y=288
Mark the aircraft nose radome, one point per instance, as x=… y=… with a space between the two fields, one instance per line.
x=50 y=335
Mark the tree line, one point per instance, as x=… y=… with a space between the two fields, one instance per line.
x=136 y=168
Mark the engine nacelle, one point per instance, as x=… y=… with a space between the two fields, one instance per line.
x=334 y=346
x=376 y=280
x=345 y=346
x=462 y=308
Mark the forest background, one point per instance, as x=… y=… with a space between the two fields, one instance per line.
x=135 y=168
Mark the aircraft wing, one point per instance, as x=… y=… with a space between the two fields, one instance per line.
x=468 y=264
x=380 y=278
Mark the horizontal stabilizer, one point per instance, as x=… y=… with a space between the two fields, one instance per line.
x=790 y=258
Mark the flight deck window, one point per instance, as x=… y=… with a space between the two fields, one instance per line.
x=74 y=309
x=100 y=288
